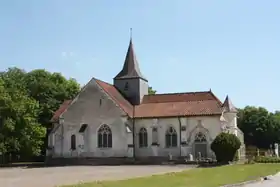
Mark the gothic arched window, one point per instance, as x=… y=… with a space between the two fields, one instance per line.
x=200 y=137
x=104 y=137
x=143 y=138
x=171 y=137
x=73 y=142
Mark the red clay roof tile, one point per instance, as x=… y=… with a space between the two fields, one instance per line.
x=163 y=105
x=116 y=96
x=60 y=110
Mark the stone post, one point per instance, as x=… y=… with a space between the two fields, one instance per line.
x=191 y=157
x=199 y=155
x=276 y=152
x=170 y=156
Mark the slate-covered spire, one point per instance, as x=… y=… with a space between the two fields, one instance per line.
x=131 y=67
x=228 y=106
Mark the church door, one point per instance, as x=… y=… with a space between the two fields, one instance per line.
x=200 y=146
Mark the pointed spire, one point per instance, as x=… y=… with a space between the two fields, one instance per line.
x=228 y=106
x=130 y=33
x=131 y=67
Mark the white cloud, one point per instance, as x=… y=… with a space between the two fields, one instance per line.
x=64 y=54
x=67 y=54
x=71 y=54
x=77 y=63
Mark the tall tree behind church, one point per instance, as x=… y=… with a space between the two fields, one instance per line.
x=261 y=128
x=151 y=91
x=20 y=132
x=48 y=89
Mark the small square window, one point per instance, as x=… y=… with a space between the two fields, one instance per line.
x=100 y=102
x=126 y=86
x=128 y=130
x=83 y=128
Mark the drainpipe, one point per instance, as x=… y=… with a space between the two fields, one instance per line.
x=61 y=122
x=180 y=141
x=133 y=128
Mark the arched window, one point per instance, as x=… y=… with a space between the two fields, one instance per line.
x=143 y=138
x=73 y=142
x=171 y=137
x=200 y=137
x=104 y=137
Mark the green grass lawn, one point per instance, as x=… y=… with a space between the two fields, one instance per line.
x=200 y=177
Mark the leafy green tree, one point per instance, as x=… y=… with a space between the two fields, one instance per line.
x=225 y=146
x=28 y=101
x=4 y=98
x=20 y=131
x=151 y=91
x=261 y=127
x=50 y=90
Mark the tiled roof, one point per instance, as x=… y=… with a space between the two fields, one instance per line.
x=228 y=106
x=180 y=97
x=163 y=105
x=179 y=104
x=116 y=96
x=61 y=109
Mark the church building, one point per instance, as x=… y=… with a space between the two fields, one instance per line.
x=121 y=120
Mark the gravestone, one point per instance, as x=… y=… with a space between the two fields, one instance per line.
x=199 y=155
x=276 y=152
x=191 y=157
x=170 y=156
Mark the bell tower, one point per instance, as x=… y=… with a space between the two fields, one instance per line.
x=130 y=81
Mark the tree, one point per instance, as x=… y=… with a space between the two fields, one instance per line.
x=151 y=91
x=225 y=146
x=260 y=127
x=4 y=98
x=50 y=90
x=30 y=99
x=20 y=131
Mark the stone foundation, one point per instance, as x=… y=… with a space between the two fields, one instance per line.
x=118 y=161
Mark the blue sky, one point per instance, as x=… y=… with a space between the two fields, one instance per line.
x=230 y=46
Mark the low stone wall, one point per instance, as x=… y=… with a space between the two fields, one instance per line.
x=124 y=161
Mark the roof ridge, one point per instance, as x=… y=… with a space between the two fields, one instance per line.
x=111 y=95
x=220 y=102
x=201 y=100
x=102 y=81
x=178 y=93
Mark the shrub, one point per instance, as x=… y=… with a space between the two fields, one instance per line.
x=267 y=159
x=225 y=147
x=250 y=161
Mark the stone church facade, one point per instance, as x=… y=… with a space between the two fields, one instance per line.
x=121 y=120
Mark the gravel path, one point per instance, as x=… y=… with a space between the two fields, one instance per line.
x=53 y=176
